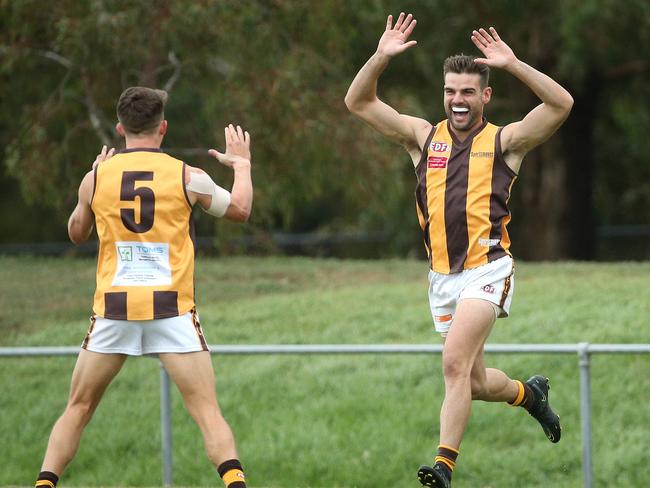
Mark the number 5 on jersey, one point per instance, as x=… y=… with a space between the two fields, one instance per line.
x=128 y=192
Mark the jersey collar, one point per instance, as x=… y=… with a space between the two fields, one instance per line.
x=134 y=149
x=469 y=137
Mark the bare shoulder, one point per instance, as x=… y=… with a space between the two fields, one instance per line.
x=189 y=170
x=513 y=154
x=421 y=129
x=506 y=136
x=87 y=187
x=88 y=181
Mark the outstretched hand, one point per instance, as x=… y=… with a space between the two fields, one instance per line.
x=238 y=152
x=497 y=53
x=394 y=39
x=103 y=156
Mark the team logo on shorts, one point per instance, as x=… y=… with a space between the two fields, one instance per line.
x=488 y=289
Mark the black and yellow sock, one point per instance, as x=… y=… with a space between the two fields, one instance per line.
x=525 y=397
x=232 y=474
x=46 y=479
x=446 y=458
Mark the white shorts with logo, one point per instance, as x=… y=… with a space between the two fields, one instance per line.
x=493 y=282
x=139 y=337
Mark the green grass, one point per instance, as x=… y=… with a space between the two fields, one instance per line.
x=333 y=421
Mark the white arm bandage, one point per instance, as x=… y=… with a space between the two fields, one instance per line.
x=203 y=184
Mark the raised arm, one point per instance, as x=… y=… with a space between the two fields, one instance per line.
x=235 y=205
x=520 y=137
x=82 y=219
x=361 y=98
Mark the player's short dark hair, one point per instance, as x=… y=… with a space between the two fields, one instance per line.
x=461 y=63
x=141 y=109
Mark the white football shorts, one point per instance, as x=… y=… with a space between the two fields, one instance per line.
x=493 y=282
x=140 y=337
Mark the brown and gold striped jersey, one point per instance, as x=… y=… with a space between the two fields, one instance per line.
x=145 y=264
x=462 y=197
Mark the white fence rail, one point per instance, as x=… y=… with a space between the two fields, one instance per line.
x=583 y=350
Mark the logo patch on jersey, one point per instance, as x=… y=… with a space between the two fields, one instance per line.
x=439 y=146
x=125 y=252
x=436 y=162
x=488 y=242
x=482 y=154
x=142 y=264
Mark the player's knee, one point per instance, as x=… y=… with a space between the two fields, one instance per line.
x=455 y=367
x=81 y=409
x=203 y=410
x=208 y=418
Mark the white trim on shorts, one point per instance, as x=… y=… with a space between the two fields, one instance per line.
x=179 y=334
x=493 y=282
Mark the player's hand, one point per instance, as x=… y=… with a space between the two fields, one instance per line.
x=497 y=53
x=238 y=152
x=103 y=156
x=394 y=41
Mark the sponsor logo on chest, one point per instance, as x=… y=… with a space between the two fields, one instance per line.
x=435 y=159
x=439 y=147
x=482 y=154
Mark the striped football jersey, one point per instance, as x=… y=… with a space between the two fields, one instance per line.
x=462 y=197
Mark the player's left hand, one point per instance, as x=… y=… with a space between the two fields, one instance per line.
x=497 y=53
x=104 y=155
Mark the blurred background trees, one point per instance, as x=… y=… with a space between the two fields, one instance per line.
x=281 y=69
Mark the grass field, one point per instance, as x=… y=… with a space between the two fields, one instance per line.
x=334 y=421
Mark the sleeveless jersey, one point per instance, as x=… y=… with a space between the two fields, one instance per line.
x=145 y=264
x=462 y=197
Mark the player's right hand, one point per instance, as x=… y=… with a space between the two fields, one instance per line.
x=238 y=152
x=395 y=41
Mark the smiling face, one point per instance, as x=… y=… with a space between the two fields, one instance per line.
x=464 y=100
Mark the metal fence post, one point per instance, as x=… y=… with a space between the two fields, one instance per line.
x=584 y=361
x=583 y=349
x=166 y=426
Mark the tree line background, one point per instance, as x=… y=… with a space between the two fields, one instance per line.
x=281 y=68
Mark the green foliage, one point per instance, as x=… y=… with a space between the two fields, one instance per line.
x=325 y=421
x=603 y=57
x=282 y=69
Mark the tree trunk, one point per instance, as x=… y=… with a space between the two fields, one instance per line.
x=553 y=214
x=542 y=204
x=578 y=144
